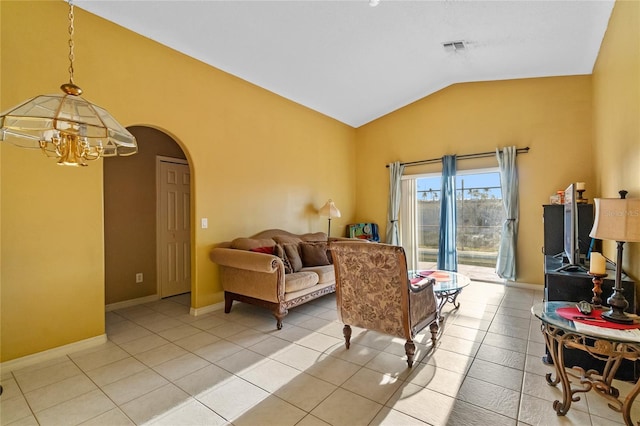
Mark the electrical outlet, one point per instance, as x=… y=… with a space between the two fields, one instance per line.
x=139 y=278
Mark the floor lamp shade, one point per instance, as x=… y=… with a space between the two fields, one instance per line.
x=329 y=210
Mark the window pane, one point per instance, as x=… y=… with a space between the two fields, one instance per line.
x=479 y=217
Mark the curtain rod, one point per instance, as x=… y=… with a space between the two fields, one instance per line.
x=460 y=157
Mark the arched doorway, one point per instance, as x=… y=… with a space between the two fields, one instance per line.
x=130 y=224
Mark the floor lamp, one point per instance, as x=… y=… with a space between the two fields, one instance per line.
x=330 y=210
x=617 y=219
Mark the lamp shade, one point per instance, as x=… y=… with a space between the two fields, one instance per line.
x=329 y=209
x=617 y=219
x=45 y=117
x=66 y=126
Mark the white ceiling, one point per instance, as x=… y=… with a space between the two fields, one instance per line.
x=354 y=62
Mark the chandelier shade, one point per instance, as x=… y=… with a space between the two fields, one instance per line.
x=44 y=118
x=66 y=126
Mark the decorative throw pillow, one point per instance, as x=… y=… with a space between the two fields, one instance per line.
x=294 y=256
x=314 y=254
x=279 y=251
x=267 y=250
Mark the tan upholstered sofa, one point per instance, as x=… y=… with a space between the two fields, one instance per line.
x=275 y=269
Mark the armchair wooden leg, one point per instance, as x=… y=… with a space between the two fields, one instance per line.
x=410 y=349
x=347 y=335
x=434 y=332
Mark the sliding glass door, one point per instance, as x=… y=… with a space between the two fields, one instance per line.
x=479 y=220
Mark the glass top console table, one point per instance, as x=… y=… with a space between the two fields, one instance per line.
x=447 y=287
x=611 y=346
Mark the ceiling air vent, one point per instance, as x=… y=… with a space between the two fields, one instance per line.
x=454 y=46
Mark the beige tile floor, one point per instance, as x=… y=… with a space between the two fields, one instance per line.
x=164 y=367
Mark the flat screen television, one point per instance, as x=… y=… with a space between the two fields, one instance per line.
x=571 y=239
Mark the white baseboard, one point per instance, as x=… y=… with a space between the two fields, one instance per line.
x=26 y=361
x=537 y=287
x=206 y=309
x=132 y=302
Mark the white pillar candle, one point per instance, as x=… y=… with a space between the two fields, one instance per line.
x=579 y=186
x=597 y=264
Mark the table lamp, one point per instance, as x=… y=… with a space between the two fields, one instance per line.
x=617 y=219
x=330 y=210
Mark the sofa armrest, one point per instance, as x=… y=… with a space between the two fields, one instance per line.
x=243 y=259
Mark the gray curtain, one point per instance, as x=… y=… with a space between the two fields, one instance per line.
x=395 y=177
x=447 y=253
x=506 y=263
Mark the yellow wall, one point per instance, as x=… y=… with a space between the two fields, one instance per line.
x=257 y=160
x=52 y=273
x=52 y=253
x=616 y=94
x=552 y=116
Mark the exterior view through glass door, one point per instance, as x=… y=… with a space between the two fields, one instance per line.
x=479 y=221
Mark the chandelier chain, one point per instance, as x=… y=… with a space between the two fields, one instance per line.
x=71 y=45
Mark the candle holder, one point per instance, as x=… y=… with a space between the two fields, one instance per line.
x=580 y=199
x=596 y=301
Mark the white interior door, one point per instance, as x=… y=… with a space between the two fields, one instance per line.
x=174 y=230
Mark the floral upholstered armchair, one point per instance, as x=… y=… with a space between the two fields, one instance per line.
x=373 y=291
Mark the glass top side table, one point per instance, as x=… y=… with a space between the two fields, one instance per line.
x=447 y=287
x=600 y=343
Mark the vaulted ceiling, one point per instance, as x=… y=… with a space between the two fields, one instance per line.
x=356 y=62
